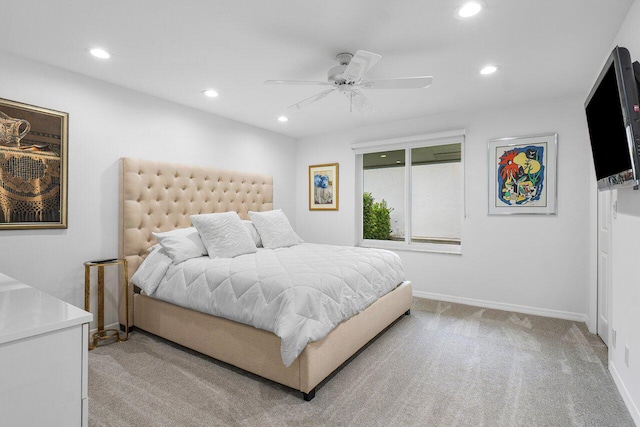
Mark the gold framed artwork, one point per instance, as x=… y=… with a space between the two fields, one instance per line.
x=323 y=187
x=33 y=166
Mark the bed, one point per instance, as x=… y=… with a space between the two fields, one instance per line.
x=157 y=197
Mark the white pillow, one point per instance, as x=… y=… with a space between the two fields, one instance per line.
x=181 y=244
x=274 y=229
x=152 y=270
x=224 y=235
x=253 y=232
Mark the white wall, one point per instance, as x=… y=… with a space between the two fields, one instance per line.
x=529 y=263
x=107 y=122
x=625 y=253
x=625 y=304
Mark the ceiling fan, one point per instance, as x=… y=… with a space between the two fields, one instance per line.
x=348 y=78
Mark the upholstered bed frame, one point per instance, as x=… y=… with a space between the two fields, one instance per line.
x=158 y=196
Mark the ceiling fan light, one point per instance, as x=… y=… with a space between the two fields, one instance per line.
x=469 y=9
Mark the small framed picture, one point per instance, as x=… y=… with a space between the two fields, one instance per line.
x=323 y=187
x=522 y=175
x=33 y=166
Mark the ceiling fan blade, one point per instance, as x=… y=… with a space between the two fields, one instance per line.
x=360 y=65
x=314 y=98
x=358 y=102
x=421 y=82
x=295 y=82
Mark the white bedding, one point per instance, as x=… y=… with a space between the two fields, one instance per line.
x=299 y=293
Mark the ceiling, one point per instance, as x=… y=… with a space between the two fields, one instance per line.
x=174 y=50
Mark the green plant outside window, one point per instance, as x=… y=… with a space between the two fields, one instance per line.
x=376 y=219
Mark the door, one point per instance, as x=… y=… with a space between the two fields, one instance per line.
x=606 y=209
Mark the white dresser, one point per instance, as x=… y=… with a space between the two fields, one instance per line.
x=43 y=358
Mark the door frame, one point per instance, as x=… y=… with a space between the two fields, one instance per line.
x=610 y=209
x=592 y=318
x=592 y=264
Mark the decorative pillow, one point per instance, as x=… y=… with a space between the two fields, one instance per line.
x=181 y=244
x=274 y=229
x=224 y=235
x=253 y=232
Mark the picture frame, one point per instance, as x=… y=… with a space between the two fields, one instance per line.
x=33 y=166
x=323 y=187
x=522 y=175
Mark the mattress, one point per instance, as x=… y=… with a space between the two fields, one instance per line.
x=299 y=293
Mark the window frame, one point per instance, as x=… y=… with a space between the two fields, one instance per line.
x=406 y=144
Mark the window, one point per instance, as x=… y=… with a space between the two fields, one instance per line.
x=417 y=207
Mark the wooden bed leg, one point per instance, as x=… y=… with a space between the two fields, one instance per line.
x=407 y=313
x=308 y=396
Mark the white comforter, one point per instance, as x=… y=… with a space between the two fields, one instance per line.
x=299 y=293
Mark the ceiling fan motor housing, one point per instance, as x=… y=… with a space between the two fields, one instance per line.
x=336 y=76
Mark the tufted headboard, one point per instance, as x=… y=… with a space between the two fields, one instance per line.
x=156 y=196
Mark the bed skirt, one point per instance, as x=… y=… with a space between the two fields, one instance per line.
x=258 y=351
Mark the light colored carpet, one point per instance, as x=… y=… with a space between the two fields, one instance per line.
x=444 y=365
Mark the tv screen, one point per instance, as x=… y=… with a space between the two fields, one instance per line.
x=606 y=128
x=612 y=116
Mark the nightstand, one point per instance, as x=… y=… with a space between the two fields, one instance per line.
x=102 y=333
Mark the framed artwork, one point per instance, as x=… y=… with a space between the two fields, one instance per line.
x=522 y=175
x=33 y=166
x=323 y=187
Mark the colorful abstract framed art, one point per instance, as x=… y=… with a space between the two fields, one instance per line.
x=323 y=187
x=522 y=175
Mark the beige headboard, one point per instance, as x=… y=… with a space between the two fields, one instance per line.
x=156 y=196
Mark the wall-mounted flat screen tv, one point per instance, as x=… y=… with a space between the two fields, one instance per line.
x=613 y=117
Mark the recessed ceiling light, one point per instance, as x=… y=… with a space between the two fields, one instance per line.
x=469 y=9
x=383 y=155
x=210 y=93
x=99 y=53
x=489 y=69
x=283 y=119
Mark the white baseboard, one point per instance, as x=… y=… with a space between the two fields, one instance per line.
x=545 y=312
x=631 y=406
